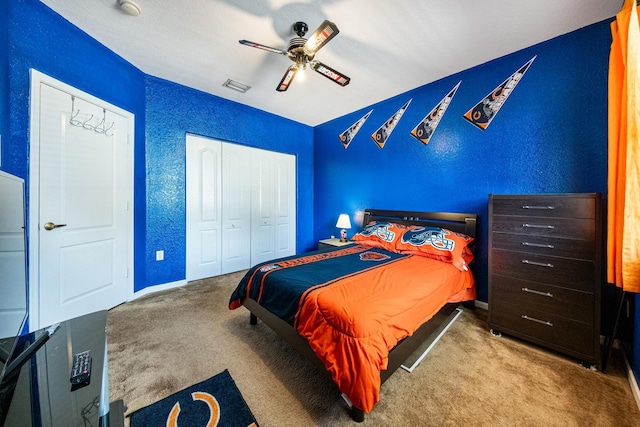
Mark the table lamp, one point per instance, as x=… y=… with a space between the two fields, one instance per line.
x=343 y=223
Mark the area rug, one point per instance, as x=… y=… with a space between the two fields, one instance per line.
x=214 y=402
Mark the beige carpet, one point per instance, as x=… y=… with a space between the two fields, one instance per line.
x=167 y=341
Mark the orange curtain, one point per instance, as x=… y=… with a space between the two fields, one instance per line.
x=623 y=237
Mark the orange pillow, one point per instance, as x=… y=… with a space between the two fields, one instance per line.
x=438 y=243
x=380 y=235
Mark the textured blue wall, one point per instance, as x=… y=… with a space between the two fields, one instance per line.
x=41 y=39
x=4 y=75
x=174 y=110
x=549 y=136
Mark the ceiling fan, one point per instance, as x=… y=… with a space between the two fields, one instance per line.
x=302 y=51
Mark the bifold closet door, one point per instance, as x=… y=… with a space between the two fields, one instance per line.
x=241 y=207
x=273 y=206
x=236 y=207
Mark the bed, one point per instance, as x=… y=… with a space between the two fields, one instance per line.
x=360 y=311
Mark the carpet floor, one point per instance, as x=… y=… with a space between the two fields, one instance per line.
x=169 y=340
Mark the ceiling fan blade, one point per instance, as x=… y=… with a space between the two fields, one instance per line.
x=325 y=32
x=263 y=47
x=330 y=73
x=287 y=78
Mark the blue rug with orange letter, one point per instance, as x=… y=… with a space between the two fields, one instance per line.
x=214 y=402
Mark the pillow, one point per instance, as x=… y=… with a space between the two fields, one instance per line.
x=380 y=235
x=438 y=243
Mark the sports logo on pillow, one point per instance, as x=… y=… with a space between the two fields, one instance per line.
x=434 y=236
x=381 y=230
x=438 y=243
x=380 y=234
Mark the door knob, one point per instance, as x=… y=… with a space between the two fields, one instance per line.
x=51 y=226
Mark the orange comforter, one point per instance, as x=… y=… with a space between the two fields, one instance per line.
x=351 y=324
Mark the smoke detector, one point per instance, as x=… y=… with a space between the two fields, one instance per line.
x=130 y=7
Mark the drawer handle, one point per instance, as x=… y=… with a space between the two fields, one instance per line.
x=547 y=208
x=549 y=227
x=533 y=319
x=538 y=245
x=539 y=264
x=533 y=291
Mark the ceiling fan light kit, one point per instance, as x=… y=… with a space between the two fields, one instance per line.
x=302 y=52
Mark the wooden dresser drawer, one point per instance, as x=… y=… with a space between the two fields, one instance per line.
x=565 y=206
x=553 y=329
x=564 y=272
x=551 y=227
x=574 y=305
x=568 y=248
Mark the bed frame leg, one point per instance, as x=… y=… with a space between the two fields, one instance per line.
x=470 y=305
x=253 y=319
x=357 y=414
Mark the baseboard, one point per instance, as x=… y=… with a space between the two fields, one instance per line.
x=157 y=288
x=632 y=380
x=482 y=305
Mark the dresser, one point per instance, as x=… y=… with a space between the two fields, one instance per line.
x=546 y=271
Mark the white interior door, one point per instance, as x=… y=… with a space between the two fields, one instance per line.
x=81 y=210
x=204 y=208
x=236 y=208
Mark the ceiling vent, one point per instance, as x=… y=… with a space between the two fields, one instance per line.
x=237 y=86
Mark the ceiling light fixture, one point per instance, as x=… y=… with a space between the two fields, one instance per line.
x=130 y=7
x=240 y=87
x=301 y=67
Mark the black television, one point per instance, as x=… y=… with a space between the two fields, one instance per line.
x=16 y=343
x=44 y=396
x=13 y=277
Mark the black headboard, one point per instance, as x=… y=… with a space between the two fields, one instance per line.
x=459 y=222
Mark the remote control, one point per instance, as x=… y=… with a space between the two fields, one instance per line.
x=81 y=369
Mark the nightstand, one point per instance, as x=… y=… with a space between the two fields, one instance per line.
x=332 y=243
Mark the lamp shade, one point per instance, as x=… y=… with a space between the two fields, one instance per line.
x=343 y=221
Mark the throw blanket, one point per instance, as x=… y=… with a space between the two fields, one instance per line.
x=353 y=305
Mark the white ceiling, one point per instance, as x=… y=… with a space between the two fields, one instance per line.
x=385 y=47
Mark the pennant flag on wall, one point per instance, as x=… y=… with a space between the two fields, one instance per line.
x=482 y=114
x=384 y=132
x=425 y=129
x=347 y=136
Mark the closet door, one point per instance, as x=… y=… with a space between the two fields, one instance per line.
x=285 y=204
x=204 y=207
x=262 y=205
x=273 y=208
x=236 y=208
